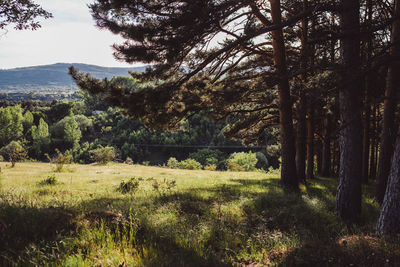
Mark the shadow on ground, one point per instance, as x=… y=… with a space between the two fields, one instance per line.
x=243 y=223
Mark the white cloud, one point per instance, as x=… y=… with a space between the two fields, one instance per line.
x=69 y=37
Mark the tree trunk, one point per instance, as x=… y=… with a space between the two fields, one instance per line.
x=348 y=200
x=374 y=140
x=288 y=169
x=388 y=128
x=389 y=220
x=366 y=134
x=301 y=139
x=301 y=124
x=310 y=143
x=326 y=148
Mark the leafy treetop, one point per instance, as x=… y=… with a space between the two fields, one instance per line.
x=22 y=14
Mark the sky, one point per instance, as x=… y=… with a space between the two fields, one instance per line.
x=69 y=37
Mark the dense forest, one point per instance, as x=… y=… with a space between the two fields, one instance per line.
x=81 y=127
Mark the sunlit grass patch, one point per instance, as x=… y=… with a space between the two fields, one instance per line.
x=177 y=218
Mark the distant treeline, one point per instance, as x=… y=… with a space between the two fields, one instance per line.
x=78 y=128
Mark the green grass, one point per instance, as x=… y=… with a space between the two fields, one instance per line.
x=178 y=218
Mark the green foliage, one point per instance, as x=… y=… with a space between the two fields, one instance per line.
x=129 y=187
x=72 y=132
x=190 y=164
x=28 y=120
x=187 y=164
x=79 y=134
x=173 y=163
x=40 y=139
x=59 y=160
x=128 y=161
x=210 y=167
x=208 y=156
x=60 y=111
x=242 y=162
x=84 y=122
x=50 y=180
x=66 y=133
x=103 y=155
x=262 y=161
x=14 y=151
x=11 y=124
x=22 y=14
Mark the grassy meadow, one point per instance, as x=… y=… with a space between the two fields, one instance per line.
x=178 y=218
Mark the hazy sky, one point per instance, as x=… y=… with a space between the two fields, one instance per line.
x=69 y=37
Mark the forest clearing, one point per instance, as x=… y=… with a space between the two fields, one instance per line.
x=180 y=218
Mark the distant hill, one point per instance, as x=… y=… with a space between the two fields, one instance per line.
x=53 y=78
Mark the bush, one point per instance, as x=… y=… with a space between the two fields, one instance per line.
x=262 y=161
x=50 y=180
x=242 y=162
x=173 y=163
x=190 y=164
x=128 y=161
x=14 y=151
x=207 y=156
x=60 y=160
x=103 y=155
x=128 y=187
x=211 y=167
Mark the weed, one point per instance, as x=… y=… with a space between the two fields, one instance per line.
x=50 y=180
x=59 y=160
x=128 y=187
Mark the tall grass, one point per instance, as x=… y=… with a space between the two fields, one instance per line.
x=191 y=218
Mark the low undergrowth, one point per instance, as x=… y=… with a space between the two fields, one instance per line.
x=180 y=218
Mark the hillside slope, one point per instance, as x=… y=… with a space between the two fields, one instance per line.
x=53 y=77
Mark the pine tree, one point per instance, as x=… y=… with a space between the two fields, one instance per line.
x=22 y=14
x=222 y=56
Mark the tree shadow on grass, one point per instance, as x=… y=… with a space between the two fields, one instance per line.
x=245 y=221
x=269 y=219
x=28 y=226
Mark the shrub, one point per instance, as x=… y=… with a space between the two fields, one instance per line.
x=242 y=161
x=187 y=164
x=60 y=160
x=173 y=163
x=210 y=167
x=50 y=180
x=190 y=164
x=103 y=155
x=262 y=161
x=207 y=156
x=15 y=151
x=128 y=161
x=164 y=186
x=128 y=187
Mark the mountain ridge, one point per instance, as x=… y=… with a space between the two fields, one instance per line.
x=54 y=77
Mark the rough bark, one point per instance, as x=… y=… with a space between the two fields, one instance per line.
x=389 y=219
x=310 y=143
x=348 y=200
x=388 y=128
x=288 y=168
